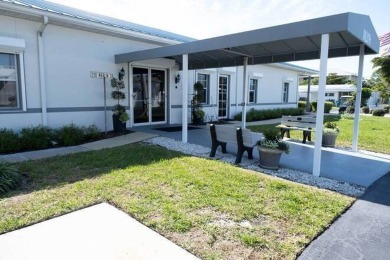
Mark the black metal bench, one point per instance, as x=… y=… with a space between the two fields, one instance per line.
x=221 y=135
x=305 y=124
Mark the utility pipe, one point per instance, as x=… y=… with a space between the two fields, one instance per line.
x=41 y=64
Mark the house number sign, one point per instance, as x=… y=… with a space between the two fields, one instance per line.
x=100 y=75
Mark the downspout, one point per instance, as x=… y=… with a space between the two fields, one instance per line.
x=42 y=69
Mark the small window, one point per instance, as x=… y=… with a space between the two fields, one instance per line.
x=10 y=87
x=252 y=90
x=286 y=87
x=204 y=79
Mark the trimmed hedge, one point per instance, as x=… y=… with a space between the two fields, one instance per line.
x=350 y=110
x=69 y=135
x=378 y=112
x=40 y=137
x=259 y=115
x=302 y=104
x=366 y=110
x=35 y=138
x=9 y=141
x=387 y=108
x=327 y=106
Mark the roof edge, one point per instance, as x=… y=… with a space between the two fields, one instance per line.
x=29 y=13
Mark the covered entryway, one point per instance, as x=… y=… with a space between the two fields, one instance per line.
x=341 y=35
x=148 y=94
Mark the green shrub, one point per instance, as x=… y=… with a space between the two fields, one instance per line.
x=366 y=110
x=387 y=108
x=9 y=141
x=91 y=133
x=259 y=115
x=379 y=112
x=9 y=177
x=35 y=138
x=302 y=105
x=327 y=106
x=69 y=135
x=350 y=109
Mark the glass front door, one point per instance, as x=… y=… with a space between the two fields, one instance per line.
x=223 y=88
x=149 y=96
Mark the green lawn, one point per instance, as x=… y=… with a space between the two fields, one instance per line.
x=373 y=132
x=197 y=203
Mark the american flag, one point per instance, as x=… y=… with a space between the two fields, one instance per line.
x=384 y=39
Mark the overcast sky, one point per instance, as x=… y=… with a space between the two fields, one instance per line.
x=203 y=19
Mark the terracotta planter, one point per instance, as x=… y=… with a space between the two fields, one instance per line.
x=269 y=158
x=329 y=140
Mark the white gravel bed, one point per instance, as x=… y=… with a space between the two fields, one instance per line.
x=293 y=175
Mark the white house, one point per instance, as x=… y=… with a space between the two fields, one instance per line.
x=56 y=63
x=332 y=92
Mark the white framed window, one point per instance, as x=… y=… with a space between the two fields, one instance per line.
x=252 y=90
x=286 y=86
x=204 y=79
x=11 y=81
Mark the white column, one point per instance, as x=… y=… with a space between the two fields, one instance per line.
x=320 y=104
x=184 y=137
x=358 y=100
x=244 y=94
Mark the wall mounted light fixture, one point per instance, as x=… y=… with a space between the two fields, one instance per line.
x=177 y=78
x=121 y=74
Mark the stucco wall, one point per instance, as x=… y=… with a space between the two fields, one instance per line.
x=73 y=97
x=69 y=56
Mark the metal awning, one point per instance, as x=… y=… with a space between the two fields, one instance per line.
x=341 y=35
x=289 y=42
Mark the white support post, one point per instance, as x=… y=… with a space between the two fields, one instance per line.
x=320 y=104
x=358 y=100
x=244 y=94
x=185 y=99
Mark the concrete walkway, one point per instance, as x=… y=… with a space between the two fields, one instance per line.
x=363 y=232
x=98 y=145
x=355 y=168
x=99 y=232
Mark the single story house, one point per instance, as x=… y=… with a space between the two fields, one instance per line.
x=56 y=63
x=332 y=92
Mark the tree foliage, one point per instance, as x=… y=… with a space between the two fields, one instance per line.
x=383 y=67
x=380 y=79
x=366 y=94
x=331 y=79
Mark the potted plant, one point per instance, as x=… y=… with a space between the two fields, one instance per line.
x=329 y=134
x=197 y=111
x=120 y=116
x=271 y=149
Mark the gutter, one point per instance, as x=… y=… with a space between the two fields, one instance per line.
x=41 y=63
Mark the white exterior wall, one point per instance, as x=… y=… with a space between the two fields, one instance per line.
x=73 y=97
x=69 y=56
x=269 y=93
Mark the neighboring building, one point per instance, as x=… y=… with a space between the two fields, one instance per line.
x=49 y=56
x=347 y=75
x=332 y=92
